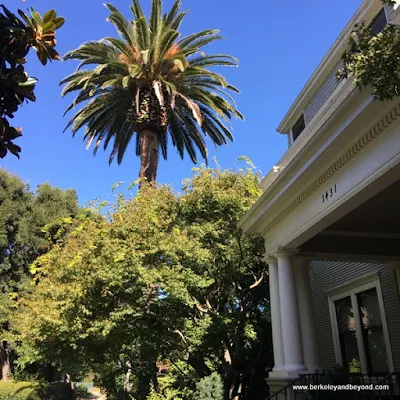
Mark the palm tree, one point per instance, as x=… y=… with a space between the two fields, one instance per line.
x=150 y=85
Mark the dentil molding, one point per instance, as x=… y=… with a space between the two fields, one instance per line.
x=340 y=162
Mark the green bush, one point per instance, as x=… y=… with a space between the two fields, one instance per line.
x=210 y=388
x=19 y=390
x=34 y=391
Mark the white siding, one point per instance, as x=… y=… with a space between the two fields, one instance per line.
x=328 y=275
x=322 y=94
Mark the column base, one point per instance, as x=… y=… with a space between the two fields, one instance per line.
x=295 y=367
x=277 y=380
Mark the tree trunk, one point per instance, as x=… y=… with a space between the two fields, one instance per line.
x=147 y=379
x=5 y=361
x=72 y=385
x=196 y=361
x=127 y=384
x=148 y=143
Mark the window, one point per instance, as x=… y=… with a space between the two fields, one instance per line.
x=298 y=127
x=378 y=23
x=359 y=328
x=347 y=335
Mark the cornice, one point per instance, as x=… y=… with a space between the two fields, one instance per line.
x=339 y=163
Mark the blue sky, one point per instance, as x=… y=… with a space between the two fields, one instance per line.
x=279 y=44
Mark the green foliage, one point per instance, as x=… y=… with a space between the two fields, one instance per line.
x=17 y=37
x=374 y=60
x=24 y=215
x=19 y=391
x=32 y=390
x=168 y=277
x=210 y=388
x=151 y=79
x=27 y=221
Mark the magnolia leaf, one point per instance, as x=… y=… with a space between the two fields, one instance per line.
x=28 y=82
x=59 y=22
x=49 y=16
x=48 y=26
x=13 y=149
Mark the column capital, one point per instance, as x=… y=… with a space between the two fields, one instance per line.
x=270 y=259
x=285 y=251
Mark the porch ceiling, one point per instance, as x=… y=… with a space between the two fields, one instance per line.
x=373 y=228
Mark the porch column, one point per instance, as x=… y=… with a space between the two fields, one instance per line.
x=307 y=321
x=291 y=336
x=275 y=313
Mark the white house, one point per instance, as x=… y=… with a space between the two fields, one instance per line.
x=330 y=216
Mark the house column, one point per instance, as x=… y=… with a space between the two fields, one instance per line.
x=275 y=313
x=307 y=321
x=291 y=336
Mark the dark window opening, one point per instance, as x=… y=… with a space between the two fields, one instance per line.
x=298 y=127
x=372 y=332
x=347 y=335
x=378 y=23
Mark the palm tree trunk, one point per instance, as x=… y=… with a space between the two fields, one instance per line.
x=148 y=155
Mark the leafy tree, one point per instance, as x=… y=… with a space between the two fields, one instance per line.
x=210 y=388
x=374 y=60
x=23 y=216
x=17 y=37
x=152 y=87
x=169 y=278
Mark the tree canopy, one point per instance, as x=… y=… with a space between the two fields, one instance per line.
x=168 y=284
x=152 y=87
x=24 y=215
x=373 y=60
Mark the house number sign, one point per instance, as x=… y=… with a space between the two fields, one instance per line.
x=329 y=193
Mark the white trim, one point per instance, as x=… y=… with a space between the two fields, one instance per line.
x=357 y=188
x=351 y=289
x=335 y=332
x=359 y=336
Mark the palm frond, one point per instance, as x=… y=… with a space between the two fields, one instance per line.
x=150 y=69
x=123 y=26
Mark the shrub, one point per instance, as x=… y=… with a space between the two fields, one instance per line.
x=19 y=390
x=34 y=391
x=210 y=388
